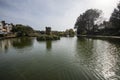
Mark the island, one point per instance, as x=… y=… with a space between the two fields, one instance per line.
x=10 y=30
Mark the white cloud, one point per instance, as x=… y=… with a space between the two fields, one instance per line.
x=59 y=14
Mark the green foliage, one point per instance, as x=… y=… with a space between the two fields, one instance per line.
x=62 y=34
x=71 y=33
x=86 y=21
x=68 y=32
x=115 y=17
x=47 y=37
x=22 y=30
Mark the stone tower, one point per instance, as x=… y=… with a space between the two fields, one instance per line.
x=48 y=30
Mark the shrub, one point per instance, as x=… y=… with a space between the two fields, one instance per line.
x=47 y=37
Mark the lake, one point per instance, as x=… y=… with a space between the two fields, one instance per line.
x=65 y=59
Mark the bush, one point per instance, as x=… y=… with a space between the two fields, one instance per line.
x=47 y=37
x=23 y=30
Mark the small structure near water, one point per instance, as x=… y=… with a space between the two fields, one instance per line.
x=48 y=30
x=5 y=28
x=48 y=35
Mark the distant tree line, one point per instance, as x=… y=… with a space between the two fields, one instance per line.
x=22 y=30
x=67 y=32
x=88 y=23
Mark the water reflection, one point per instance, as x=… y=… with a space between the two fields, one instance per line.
x=5 y=45
x=101 y=57
x=115 y=42
x=22 y=42
x=71 y=59
x=85 y=47
x=18 y=43
x=48 y=45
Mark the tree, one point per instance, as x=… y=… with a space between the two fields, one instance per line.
x=86 y=22
x=22 y=30
x=115 y=17
x=71 y=33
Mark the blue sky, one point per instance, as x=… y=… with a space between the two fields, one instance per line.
x=59 y=14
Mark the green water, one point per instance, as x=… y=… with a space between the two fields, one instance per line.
x=65 y=59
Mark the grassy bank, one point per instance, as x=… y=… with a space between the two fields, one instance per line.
x=99 y=36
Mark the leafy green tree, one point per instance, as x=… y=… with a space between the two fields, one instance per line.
x=115 y=17
x=86 y=21
x=71 y=33
x=22 y=30
x=67 y=32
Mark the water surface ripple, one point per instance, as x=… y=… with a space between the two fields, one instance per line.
x=65 y=59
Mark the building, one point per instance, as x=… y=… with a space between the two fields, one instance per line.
x=8 y=27
x=105 y=24
x=5 y=28
x=1 y=27
x=48 y=30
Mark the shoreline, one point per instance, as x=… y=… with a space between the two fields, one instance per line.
x=87 y=36
x=99 y=36
x=2 y=38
